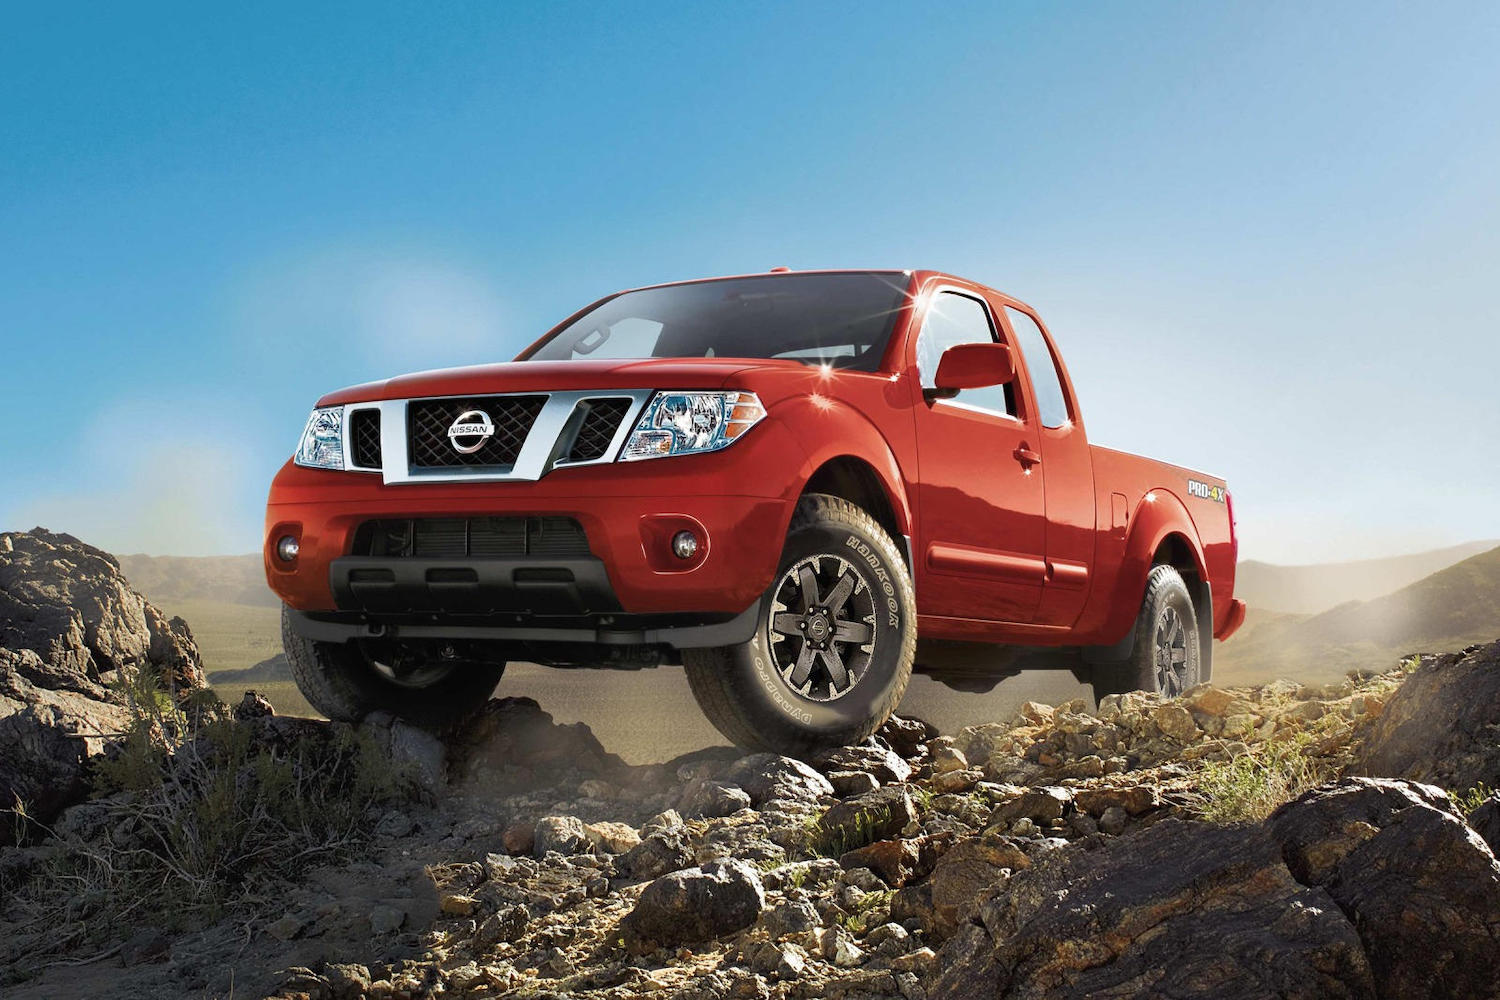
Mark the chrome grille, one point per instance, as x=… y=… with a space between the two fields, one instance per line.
x=428 y=421
x=407 y=441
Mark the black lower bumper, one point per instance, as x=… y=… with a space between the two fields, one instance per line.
x=684 y=632
x=521 y=599
x=468 y=585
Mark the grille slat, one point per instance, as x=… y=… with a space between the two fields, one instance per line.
x=598 y=429
x=364 y=438
x=457 y=537
x=428 y=421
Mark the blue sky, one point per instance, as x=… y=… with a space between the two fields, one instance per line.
x=1266 y=236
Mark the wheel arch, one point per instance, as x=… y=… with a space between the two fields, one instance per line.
x=854 y=462
x=854 y=479
x=1165 y=529
x=1161 y=533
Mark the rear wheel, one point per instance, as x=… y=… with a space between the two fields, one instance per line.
x=1166 y=658
x=832 y=652
x=346 y=681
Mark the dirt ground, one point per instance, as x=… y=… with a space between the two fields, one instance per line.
x=649 y=716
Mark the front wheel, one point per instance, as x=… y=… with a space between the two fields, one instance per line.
x=833 y=650
x=1166 y=658
x=346 y=681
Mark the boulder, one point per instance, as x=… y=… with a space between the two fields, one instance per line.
x=415 y=751
x=695 y=905
x=1357 y=889
x=768 y=776
x=561 y=834
x=1183 y=910
x=612 y=837
x=1421 y=887
x=863 y=819
x=1134 y=799
x=69 y=602
x=71 y=628
x=1040 y=804
x=847 y=783
x=512 y=745
x=790 y=917
x=660 y=852
x=878 y=762
x=963 y=873
x=1177 y=722
x=905 y=735
x=1442 y=725
x=707 y=799
x=895 y=861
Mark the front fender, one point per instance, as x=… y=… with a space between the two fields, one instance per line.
x=837 y=430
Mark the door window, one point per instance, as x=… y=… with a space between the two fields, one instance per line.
x=1046 y=381
x=952 y=319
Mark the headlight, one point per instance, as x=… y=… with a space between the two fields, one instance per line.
x=322 y=444
x=689 y=423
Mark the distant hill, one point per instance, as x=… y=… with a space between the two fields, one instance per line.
x=276 y=668
x=1446 y=610
x=1309 y=590
x=169 y=580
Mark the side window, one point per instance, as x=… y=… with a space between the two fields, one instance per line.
x=1051 y=404
x=959 y=319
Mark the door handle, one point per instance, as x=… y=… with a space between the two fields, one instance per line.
x=1026 y=456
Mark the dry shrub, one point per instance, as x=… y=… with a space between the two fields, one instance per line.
x=195 y=812
x=1250 y=786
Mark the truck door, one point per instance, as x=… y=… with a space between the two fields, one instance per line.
x=980 y=508
x=1071 y=533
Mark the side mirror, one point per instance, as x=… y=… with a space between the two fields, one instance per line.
x=972 y=366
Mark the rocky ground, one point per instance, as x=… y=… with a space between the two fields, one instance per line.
x=1281 y=840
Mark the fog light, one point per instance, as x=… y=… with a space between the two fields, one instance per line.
x=684 y=545
x=287 y=548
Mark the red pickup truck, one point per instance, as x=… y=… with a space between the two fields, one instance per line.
x=800 y=486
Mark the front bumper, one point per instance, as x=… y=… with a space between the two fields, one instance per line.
x=629 y=514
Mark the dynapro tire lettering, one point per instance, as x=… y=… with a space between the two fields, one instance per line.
x=775 y=690
x=887 y=587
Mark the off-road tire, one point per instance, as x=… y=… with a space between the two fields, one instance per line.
x=1166 y=595
x=338 y=681
x=740 y=688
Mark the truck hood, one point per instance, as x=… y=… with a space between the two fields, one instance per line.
x=543 y=376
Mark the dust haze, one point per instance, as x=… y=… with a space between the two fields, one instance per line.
x=1311 y=624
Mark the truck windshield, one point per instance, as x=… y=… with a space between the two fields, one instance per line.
x=841 y=319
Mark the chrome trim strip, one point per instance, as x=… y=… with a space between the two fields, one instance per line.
x=540 y=453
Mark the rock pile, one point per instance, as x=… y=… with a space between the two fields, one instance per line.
x=71 y=632
x=1058 y=855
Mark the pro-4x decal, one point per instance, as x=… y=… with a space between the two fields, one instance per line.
x=1204 y=491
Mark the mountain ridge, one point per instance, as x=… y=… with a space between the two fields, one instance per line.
x=1313 y=588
